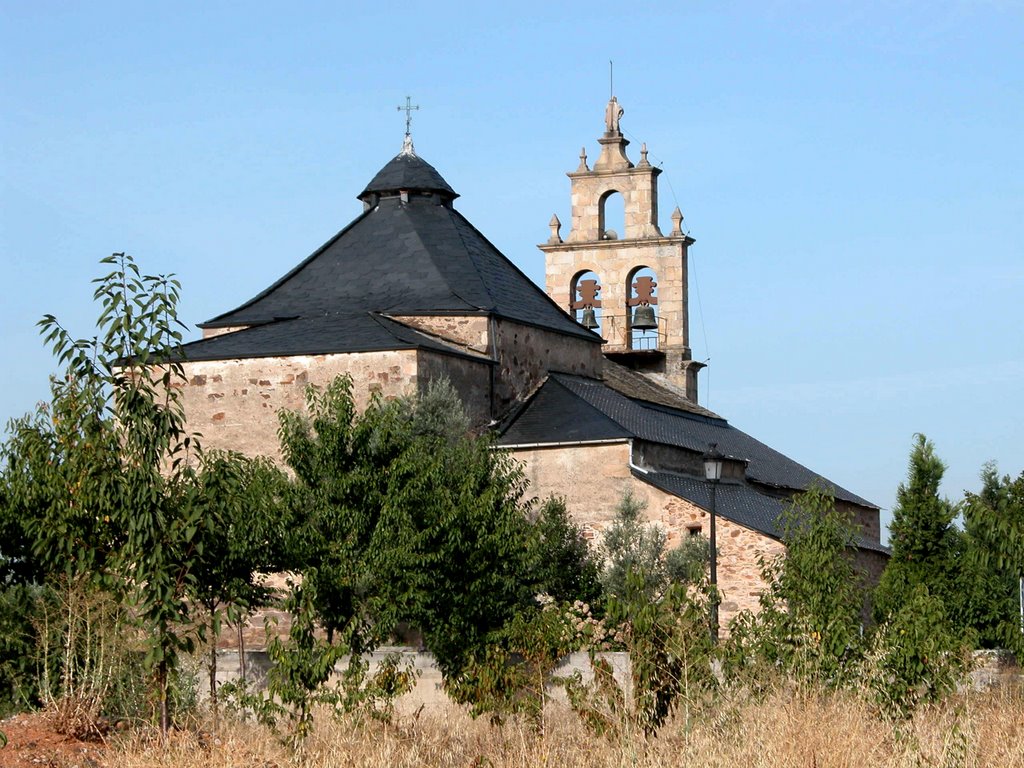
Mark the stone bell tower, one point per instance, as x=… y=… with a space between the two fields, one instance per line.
x=624 y=279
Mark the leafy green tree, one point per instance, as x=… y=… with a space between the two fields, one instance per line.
x=108 y=487
x=403 y=516
x=994 y=563
x=631 y=545
x=242 y=496
x=927 y=548
x=566 y=567
x=808 y=625
x=917 y=656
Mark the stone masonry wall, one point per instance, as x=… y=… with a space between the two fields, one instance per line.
x=470 y=378
x=234 y=403
x=468 y=331
x=526 y=354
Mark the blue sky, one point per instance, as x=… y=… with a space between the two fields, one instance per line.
x=853 y=174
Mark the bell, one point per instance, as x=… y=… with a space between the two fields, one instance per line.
x=589 y=319
x=644 y=319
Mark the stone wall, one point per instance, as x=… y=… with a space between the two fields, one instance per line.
x=471 y=379
x=234 y=403
x=471 y=332
x=527 y=353
x=739 y=548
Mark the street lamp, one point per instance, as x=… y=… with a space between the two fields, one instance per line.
x=713 y=473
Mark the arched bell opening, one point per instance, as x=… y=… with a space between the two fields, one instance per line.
x=611 y=216
x=641 y=309
x=585 y=300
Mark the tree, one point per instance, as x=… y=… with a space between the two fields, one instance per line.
x=808 y=624
x=927 y=547
x=566 y=567
x=400 y=515
x=107 y=486
x=994 y=563
x=631 y=545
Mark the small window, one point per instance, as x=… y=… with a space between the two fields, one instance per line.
x=693 y=530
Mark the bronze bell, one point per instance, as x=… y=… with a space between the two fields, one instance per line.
x=589 y=319
x=644 y=319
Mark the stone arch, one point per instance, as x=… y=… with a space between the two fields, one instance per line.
x=611 y=215
x=641 y=289
x=584 y=294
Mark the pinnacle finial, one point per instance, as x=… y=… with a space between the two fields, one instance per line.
x=407 y=147
x=643 y=156
x=583 y=161
x=677 y=221
x=556 y=227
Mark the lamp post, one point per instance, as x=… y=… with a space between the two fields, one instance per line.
x=713 y=473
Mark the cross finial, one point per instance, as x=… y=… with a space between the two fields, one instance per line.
x=409 y=108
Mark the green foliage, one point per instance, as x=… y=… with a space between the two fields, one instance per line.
x=303 y=666
x=565 y=566
x=104 y=487
x=915 y=657
x=927 y=548
x=18 y=685
x=632 y=546
x=511 y=673
x=994 y=562
x=808 y=625
x=670 y=650
x=393 y=516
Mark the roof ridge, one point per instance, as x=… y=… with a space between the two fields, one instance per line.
x=536 y=288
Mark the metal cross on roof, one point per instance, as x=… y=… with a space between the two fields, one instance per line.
x=408 y=113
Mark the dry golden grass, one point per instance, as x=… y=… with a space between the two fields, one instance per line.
x=789 y=729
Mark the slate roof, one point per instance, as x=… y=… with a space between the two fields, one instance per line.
x=409 y=172
x=567 y=405
x=415 y=257
x=322 y=334
x=640 y=387
x=734 y=501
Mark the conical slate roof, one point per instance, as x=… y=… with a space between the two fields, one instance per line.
x=406 y=254
x=409 y=172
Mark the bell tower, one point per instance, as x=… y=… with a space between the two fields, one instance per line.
x=616 y=272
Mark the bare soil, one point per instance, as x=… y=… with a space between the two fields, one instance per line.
x=33 y=743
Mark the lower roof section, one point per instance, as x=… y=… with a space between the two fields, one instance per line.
x=570 y=407
x=323 y=334
x=738 y=502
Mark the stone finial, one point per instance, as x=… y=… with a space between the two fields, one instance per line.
x=643 y=156
x=677 y=221
x=556 y=226
x=583 y=161
x=407 y=148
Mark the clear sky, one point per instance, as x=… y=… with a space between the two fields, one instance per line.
x=853 y=173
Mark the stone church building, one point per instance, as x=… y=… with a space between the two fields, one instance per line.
x=590 y=382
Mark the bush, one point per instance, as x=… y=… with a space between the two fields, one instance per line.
x=915 y=657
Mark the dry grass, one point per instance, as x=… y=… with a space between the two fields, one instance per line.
x=788 y=729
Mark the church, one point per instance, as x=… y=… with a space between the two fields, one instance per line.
x=589 y=382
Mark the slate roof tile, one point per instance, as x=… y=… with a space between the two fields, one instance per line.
x=415 y=257
x=322 y=334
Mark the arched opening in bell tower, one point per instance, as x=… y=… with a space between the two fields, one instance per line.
x=585 y=300
x=611 y=216
x=645 y=326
